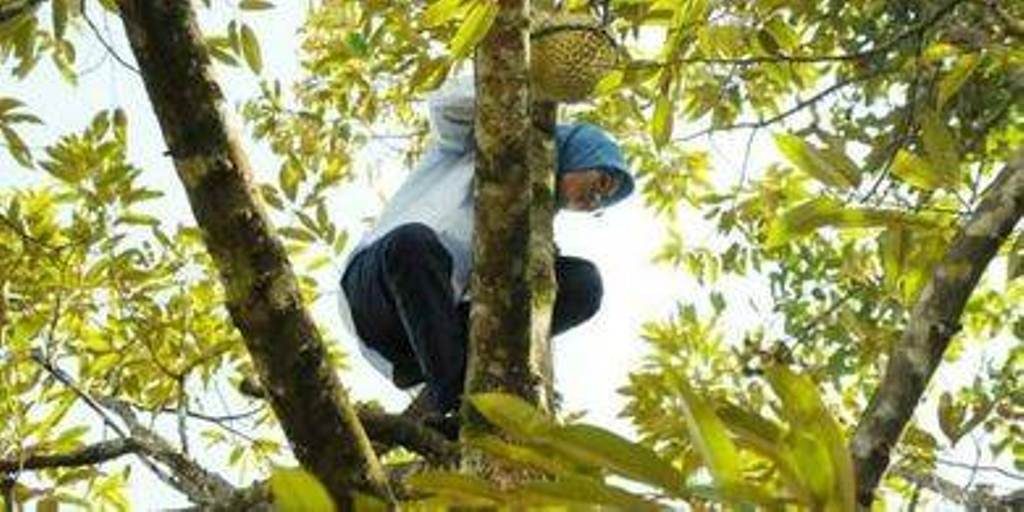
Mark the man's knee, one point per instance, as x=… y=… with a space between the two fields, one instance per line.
x=409 y=243
x=580 y=291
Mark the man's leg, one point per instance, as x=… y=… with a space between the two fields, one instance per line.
x=411 y=311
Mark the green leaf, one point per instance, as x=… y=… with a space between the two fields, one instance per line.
x=951 y=83
x=709 y=436
x=1015 y=260
x=803 y=409
x=289 y=178
x=661 y=123
x=580 y=490
x=940 y=146
x=295 y=490
x=611 y=82
x=59 y=12
x=16 y=147
x=512 y=414
x=917 y=171
x=596 y=446
x=255 y=5
x=951 y=416
x=826 y=167
x=297 y=234
x=251 y=49
x=457 y=485
x=522 y=455
x=474 y=28
x=440 y=11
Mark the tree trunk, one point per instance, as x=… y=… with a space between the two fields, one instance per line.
x=933 y=322
x=261 y=289
x=513 y=284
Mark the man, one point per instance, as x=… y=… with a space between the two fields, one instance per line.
x=405 y=285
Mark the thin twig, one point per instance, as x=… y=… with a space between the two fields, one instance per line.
x=110 y=49
x=993 y=469
x=793 y=110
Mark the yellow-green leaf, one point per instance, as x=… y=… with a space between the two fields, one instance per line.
x=951 y=416
x=918 y=172
x=474 y=28
x=255 y=5
x=579 y=490
x=661 y=123
x=831 y=170
x=512 y=414
x=295 y=490
x=709 y=435
x=601 y=448
x=940 y=147
x=523 y=455
x=951 y=83
x=457 y=485
x=440 y=11
x=1015 y=260
x=803 y=408
x=251 y=49
x=59 y=11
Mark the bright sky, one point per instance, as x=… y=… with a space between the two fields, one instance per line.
x=592 y=361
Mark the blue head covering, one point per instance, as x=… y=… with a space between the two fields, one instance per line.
x=583 y=146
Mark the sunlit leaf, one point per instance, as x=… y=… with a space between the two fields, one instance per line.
x=832 y=171
x=474 y=28
x=512 y=414
x=458 y=485
x=661 y=123
x=251 y=49
x=295 y=490
x=952 y=81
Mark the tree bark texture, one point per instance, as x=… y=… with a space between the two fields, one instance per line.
x=261 y=289
x=541 y=257
x=503 y=356
x=933 y=322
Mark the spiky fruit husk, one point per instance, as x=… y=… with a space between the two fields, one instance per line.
x=570 y=54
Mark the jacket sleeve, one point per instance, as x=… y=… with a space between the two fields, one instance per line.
x=452 y=113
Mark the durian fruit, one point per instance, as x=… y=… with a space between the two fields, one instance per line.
x=569 y=55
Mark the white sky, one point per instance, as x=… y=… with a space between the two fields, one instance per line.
x=592 y=361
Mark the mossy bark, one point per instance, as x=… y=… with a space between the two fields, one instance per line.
x=934 y=320
x=512 y=284
x=262 y=292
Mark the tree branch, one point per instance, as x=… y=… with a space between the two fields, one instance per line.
x=956 y=493
x=933 y=322
x=86 y=456
x=196 y=482
x=262 y=291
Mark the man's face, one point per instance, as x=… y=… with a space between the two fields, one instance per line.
x=585 y=190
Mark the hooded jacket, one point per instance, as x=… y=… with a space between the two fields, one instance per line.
x=439 y=192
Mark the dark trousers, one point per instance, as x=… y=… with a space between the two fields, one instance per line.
x=400 y=294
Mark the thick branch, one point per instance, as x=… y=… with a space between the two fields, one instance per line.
x=933 y=321
x=262 y=291
x=86 y=456
x=392 y=430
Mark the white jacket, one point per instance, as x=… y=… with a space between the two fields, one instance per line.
x=438 y=193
